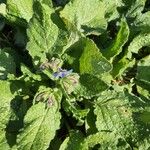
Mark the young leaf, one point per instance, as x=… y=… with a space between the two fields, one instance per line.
x=41 y=123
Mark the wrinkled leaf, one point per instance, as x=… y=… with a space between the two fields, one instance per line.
x=83 y=15
x=42 y=33
x=43 y=122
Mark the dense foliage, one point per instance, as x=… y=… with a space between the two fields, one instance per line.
x=75 y=74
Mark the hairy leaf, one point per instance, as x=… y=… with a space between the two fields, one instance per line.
x=90 y=86
x=42 y=33
x=83 y=15
x=118 y=113
x=40 y=125
x=92 y=61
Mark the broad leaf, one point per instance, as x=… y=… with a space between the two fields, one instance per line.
x=83 y=15
x=21 y=9
x=111 y=9
x=118 y=113
x=42 y=33
x=90 y=86
x=19 y=12
x=106 y=140
x=41 y=123
x=92 y=61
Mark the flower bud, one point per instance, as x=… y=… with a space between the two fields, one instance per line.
x=71 y=82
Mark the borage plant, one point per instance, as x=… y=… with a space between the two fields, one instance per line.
x=75 y=74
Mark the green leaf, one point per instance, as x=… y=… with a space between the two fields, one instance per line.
x=7 y=65
x=2 y=9
x=42 y=33
x=5 y=112
x=92 y=61
x=21 y=9
x=144 y=93
x=119 y=113
x=113 y=113
x=136 y=7
x=19 y=12
x=142 y=22
x=77 y=12
x=142 y=40
x=65 y=39
x=5 y=102
x=75 y=110
x=118 y=43
x=74 y=142
x=40 y=125
x=107 y=140
x=111 y=12
x=120 y=66
x=3 y=140
x=48 y=2
x=143 y=69
x=90 y=86
x=143 y=73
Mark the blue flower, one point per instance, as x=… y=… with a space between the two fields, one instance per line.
x=62 y=73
